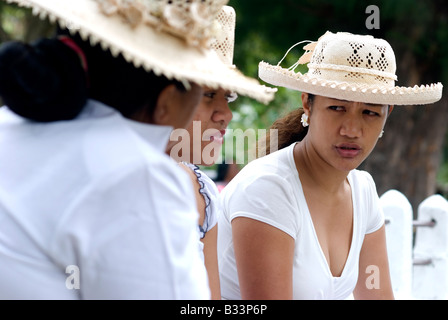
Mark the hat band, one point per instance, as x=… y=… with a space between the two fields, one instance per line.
x=348 y=69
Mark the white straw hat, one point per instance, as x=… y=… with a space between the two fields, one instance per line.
x=350 y=67
x=169 y=37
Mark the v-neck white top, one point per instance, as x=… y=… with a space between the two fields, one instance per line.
x=269 y=190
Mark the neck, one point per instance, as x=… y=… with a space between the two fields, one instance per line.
x=316 y=173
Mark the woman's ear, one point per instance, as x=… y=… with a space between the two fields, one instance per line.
x=305 y=103
x=162 y=114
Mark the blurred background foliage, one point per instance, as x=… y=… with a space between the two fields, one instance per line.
x=265 y=30
x=412 y=157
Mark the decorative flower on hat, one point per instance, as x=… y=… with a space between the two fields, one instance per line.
x=309 y=50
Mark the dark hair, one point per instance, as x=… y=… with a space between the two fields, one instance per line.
x=45 y=81
x=42 y=81
x=289 y=129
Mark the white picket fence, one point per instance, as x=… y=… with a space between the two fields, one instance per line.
x=418 y=249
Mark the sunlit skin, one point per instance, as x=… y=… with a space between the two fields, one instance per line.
x=174 y=107
x=341 y=135
x=214 y=116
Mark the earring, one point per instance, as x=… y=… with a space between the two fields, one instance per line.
x=304 y=120
x=381 y=134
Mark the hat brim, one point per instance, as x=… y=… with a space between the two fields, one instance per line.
x=147 y=47
x=417 y=95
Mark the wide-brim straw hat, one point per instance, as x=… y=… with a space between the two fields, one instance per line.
x=169 y=37
x=350 y=67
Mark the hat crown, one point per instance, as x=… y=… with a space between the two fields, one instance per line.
x=224 y=40
x=347 y=57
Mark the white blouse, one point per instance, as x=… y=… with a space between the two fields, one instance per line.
x=98 y=197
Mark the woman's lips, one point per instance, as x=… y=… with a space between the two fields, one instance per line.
x=218 y=136
x=348 y=150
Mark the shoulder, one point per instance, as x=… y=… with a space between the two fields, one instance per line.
x=367 y=201
x=113 y=147
x=362 y=181
x=199 y=177
x=273 y=172
x=206 y=194
x=265 y=190
x=111 y=142
x=189 y=170
x=364 y=188
x=362 y=175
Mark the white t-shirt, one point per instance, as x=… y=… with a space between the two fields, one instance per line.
x=269 y=190
x=95 y=197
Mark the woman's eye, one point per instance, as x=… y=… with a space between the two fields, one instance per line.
x=371 y=113
x=210 y=95
x=336 y=108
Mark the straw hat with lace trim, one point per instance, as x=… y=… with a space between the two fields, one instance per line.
x=169 y=37
x=224 y=40
x=350 y=67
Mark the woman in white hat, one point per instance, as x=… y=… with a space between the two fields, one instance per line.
x=201 y=145
x=302 y=222
x=90 y=204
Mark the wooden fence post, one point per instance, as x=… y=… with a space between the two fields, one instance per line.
x=398 y=214
x=430 y=280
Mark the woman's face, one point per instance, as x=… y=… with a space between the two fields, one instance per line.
x=203 y=139
x=344 y=133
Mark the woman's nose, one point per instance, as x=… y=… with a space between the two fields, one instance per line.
x=223 y=113
x=351 y=128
